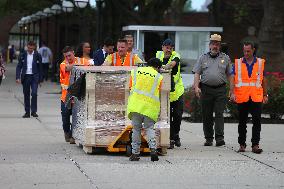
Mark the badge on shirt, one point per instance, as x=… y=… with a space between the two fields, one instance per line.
x=222 y=61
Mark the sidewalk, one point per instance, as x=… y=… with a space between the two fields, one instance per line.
x=33 y=154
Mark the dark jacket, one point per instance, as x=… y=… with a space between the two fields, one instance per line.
x=36 y=67
x=99 y=57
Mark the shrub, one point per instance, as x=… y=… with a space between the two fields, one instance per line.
x=192 y=105
x=275 y=105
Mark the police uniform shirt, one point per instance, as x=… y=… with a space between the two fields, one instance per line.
x=213 y=70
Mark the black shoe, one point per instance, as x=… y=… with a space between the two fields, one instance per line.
x=26 y=115
x=208 y=143
x=177 y=142
x=34 y=114
x=220 y=143
x=172 y=144
x=134 y=157
x=154 y=155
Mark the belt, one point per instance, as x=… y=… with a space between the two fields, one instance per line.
x=214 y=87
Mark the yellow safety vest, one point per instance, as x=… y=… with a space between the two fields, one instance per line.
x=179 y=88
x=144 y=94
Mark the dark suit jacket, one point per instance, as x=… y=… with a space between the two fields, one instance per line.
x=99 y=57
x=36 y=67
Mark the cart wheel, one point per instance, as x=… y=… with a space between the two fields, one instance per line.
x=128 y=150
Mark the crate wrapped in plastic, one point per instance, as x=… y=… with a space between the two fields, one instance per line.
x=99 y=117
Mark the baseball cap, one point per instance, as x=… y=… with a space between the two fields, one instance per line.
x=168 y=42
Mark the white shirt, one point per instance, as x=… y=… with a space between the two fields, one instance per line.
x=45 y=53
x=104 y=52
x=30 y=58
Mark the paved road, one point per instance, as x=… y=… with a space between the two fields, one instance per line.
x=33 y=154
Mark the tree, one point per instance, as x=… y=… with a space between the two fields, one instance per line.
x=271 y=34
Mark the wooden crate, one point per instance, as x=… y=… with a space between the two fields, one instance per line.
x=100 y=116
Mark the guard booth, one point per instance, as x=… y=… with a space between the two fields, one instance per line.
x=190 y=42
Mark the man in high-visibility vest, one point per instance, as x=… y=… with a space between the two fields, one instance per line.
x=122 y=57
x=171 y=61
x=144 y=105
x=249 y=90
x=65 y=68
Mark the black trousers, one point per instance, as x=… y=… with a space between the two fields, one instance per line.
x=176 y=110
x=254 y=108
x=45 y=68
x=213 y=100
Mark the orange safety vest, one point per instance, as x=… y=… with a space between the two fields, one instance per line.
x=248 y=87
x=128 y=60
x=65 y=75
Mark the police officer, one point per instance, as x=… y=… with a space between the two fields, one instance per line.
x=171 y=61
x=214 y=68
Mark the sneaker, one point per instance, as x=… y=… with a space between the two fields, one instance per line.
x=177 y=142
x=255 y=149
x=134 y=157
x=242 y=148
x=172 y=144
x=67 y=137
x=154 y=155
x=72 y=140
x=34 y=114
x=208 y=143
x=26 y=115
x=220 y=143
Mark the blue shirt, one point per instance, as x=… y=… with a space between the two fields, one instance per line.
x=249 y=66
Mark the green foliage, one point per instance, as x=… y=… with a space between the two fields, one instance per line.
x=275 y=105
x=241 y=12
x=192 y=105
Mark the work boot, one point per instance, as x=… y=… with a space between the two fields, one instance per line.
x=242 y=148
x=220 y=143
x=67 y=137
x=177 y=142
x=72 y=140
x=134 y=157
x=255 y=149
x=208 y=143
x=172 y=144
x=154 y=155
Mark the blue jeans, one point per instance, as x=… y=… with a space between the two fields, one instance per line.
x=66 y=114
x=30 y=82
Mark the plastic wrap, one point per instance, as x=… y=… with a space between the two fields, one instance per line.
x=99 y=117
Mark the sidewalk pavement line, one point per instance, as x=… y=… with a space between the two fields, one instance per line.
x=243 y=154
x=81 y=170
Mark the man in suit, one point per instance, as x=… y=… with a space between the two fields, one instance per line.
x=101 y=54
x=29 y=73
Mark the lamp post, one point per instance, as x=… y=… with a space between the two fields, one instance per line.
x=34 y=18
x=99 y=18
x=81 y=4
x=28 y=22
x=20 y=24
x=48 y=13
x=41 y=15
x=67 y=7
x=56 y=9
